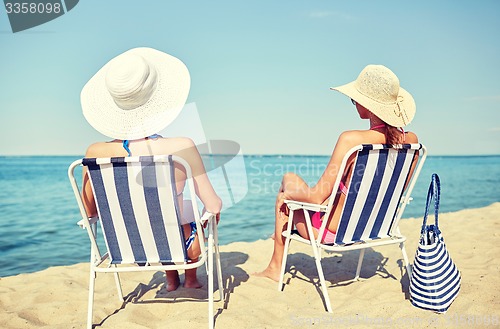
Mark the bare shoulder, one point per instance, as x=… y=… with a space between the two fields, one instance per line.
x=351 y=138
x=181 y=142
x=411 y=138
x=173 y=145
x=99 y=149
x=346 y=141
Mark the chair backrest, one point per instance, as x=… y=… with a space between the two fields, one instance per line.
x=137 y=204
x=379 y=176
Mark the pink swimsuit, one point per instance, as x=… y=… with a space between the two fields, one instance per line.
x=328 y=236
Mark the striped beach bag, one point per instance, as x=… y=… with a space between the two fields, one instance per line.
x=435 y=280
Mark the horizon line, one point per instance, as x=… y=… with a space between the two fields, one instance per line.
x=251 y=154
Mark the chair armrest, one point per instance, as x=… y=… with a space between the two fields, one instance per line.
x=206 y=216
x=294 y=205
x=91 y=220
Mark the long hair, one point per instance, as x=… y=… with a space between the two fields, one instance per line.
x=393 y=135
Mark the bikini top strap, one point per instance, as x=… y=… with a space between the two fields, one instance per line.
x=126 y=143
x=383 y=125
x=377 y=127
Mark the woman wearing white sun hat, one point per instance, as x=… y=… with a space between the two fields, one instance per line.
x=130 y=99
x=378 y=97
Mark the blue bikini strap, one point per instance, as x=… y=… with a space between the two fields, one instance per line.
x=126 y=143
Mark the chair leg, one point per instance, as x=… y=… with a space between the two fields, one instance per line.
x=285 y=250
x=322 y=281
x=220 y=285
x=360 y=262
x=317 y=259
x=91 y=297
x=283 y=264
x=210 y=275
x=118 y=286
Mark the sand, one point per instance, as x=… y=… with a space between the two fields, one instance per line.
x=57 y=297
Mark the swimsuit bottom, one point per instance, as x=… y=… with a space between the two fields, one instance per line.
x=192 y=236
x=328 y=236
x=188 y=218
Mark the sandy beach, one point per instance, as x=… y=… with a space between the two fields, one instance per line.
x=57 y=297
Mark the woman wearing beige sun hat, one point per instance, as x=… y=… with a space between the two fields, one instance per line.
x=379 y=98
x=130 y=99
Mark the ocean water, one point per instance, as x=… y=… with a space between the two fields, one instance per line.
x=38 y=213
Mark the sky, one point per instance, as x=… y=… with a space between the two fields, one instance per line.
x=261 y=70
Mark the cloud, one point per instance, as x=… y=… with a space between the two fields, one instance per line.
x=495 y=129
x=322 y=14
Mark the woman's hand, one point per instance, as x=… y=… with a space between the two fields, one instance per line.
x=217 y=218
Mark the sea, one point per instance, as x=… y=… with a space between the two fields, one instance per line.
x=38 y=211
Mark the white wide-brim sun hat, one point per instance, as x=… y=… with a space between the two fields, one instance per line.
x=136 y=94
x=377 y=89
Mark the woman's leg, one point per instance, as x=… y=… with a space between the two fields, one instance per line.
x=272 y=270
x=190 y=278
x=173 y=280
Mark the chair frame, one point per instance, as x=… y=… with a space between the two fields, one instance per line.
x=98 y=259
x=395 y=236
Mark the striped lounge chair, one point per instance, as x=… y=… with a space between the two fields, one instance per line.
x=140 y=220
x=373 y=206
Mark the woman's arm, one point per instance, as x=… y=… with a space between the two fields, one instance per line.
x=324 y=187
x=298 y=189
x=202 y=184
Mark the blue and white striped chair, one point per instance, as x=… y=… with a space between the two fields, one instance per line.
x=140 y=218
x=373 y=206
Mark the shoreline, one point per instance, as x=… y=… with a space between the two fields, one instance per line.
x=257 y=155
x=57 y=297
x=221 y=245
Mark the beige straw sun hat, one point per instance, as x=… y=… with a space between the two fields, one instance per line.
x=377 y=89
x=136 y=94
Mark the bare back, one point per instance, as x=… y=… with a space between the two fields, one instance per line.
x=181 y=146
x=346 y=141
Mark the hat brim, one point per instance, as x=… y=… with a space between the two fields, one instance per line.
x=158 y=112
x=397 y=114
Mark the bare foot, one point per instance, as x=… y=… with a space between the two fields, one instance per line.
x=173 y=280
x=193 y=284
x=190 y=280
x=268 y=273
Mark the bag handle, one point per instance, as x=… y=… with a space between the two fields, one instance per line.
x=434 y=193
